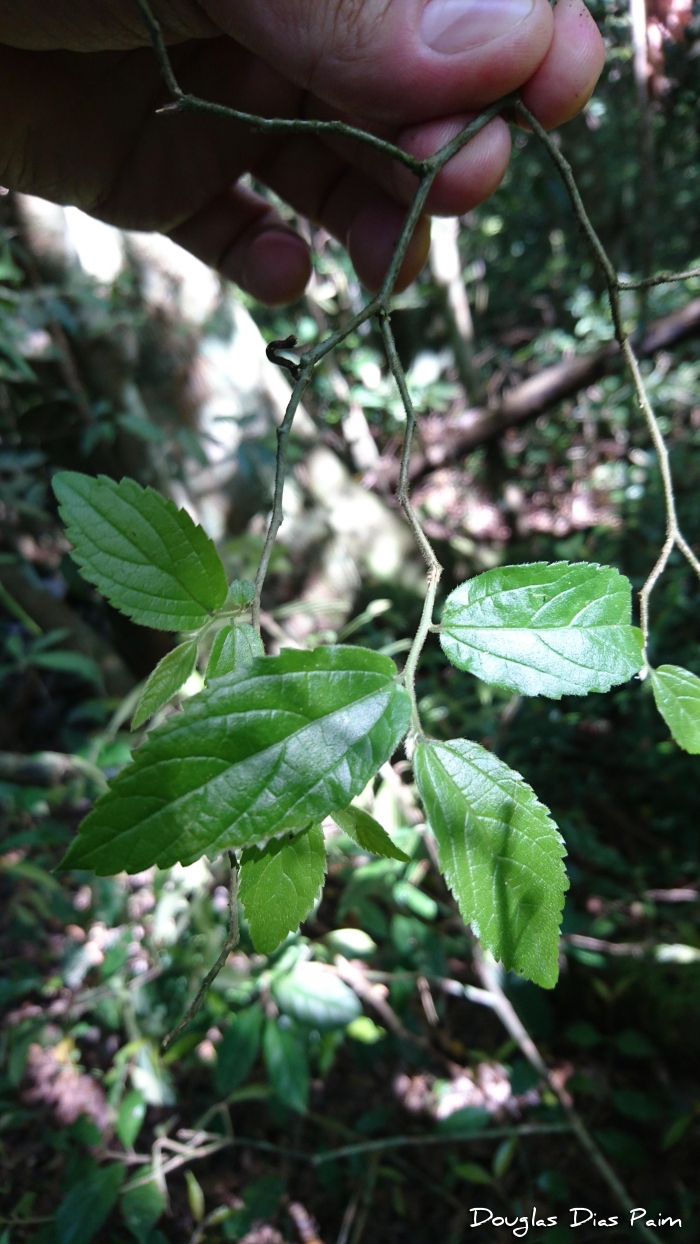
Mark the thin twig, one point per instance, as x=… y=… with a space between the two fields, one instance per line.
x=271 y=125
x=426 y=548
x=176 y=1162
x=366 y=1198
x=348 y=1219
x=489 y=971
x=674 y=536
x=283 y=432
x=414 y=1173
x=438 y=1138
x=380 y=306
x=661 y=278
x=427 y=169
x=356 y=978
x=231 y=941
x=202 y=1145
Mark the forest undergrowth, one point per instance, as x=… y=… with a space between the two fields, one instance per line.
x=352 y=1085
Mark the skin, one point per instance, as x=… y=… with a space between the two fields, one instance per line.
x=79 y=89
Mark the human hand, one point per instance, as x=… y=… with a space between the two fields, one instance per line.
x=79 y=89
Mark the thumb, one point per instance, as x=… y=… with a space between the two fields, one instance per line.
x=396 y=60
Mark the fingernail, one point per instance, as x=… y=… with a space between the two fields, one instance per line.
x=451 y=26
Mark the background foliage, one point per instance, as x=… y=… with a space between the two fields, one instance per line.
x=359 y=1028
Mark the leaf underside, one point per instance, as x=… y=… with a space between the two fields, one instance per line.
x=314 y=994
x=279 y=885
x=368 y=833
x=544 y=629
x=677 y=696
x=148 y=558
x=500 y=851
x=240 y=593
x=254 y=754
x=167 y=678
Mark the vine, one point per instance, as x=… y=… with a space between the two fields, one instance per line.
x=231 y=773
x=379 y=306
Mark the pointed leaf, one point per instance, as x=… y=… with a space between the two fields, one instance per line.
x=280 y=884
x=234 y=648
x=132 y=1112
x=368 y=833
x=314 y=994
x=169 y=675
x=677 y=695
x=148 y=558
x=142 y=1206
x=85 y=1207
x=241 y=593
x=238 y=1050
x=69 y=663
x=195 y=1196
x=500 y=852
x=253 y=754
x=544 y=629
x=287 y=1068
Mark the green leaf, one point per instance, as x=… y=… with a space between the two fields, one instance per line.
x=473 y=1172
x=234 y=649
x=544 y=629
x=279 y=885
x=677 y=695
x=352 y=943
x=84 y=1209
x=147 y=557
x=241 y=593
x=462 y=1122
x=313 y=994
x=238 y=1050
x=286 y=1064
x=69 y=663
x=677 y=1129
x=132 y=1112
x=167 y=678
x=500 y=852
x=260 y=1202
x=252 y=755
x=195 y=1196
x=407 y=895
x=504 y=1156
x=368 y=833
x=142 y=1206
x=365 y=1030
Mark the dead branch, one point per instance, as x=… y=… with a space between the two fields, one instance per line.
x=446 y=438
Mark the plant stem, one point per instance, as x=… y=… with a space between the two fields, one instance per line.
x=493 y=996
x=426 y=548
x=229 y=944
x=674 y=536
x=283 y=432
x=436 y=1138
x=661 y=278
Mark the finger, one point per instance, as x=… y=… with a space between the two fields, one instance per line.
x=567 y=77
x=369 y=224
x=247 y=241
x=401 y=60
x=352 y=206
x=469 y=177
